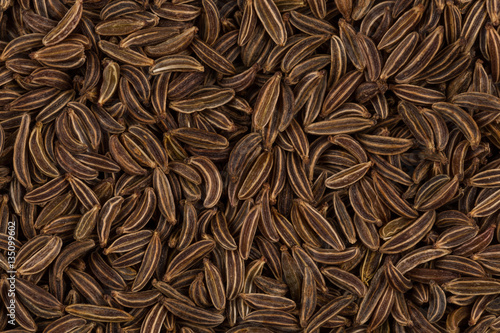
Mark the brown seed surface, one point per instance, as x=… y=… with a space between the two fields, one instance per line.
x=250 y=165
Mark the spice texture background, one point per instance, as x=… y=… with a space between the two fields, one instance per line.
x=250 y=166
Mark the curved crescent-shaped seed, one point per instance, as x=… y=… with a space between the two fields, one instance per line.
x=67 y=24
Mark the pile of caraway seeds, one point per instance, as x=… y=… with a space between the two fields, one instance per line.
x=249 y=166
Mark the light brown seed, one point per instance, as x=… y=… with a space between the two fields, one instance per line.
x=118 y=26
x=175 y=63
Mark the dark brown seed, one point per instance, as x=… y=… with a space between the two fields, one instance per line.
x=98 y=313
x=191 y=313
